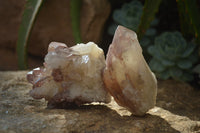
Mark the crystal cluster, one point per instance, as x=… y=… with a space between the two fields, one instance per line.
x=80 y=74
x=127 y=75
x=70 y=75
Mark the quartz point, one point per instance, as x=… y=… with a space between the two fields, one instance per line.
x=70 y=76
x=127 y=76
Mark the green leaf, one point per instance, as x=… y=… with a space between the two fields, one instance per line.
x=193 y=12
x=187 y=76
x=75 y=6
x=145 y=41
x=163 y=75
x=156 y=66
x=190 y=48
x=149 y=11
x=152 y=50
x=175 y=73
x=30 y=12
x=186 y=26
x=167 y=63
x=184 y=64
x=150 y=32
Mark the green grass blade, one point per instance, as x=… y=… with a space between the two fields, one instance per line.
x=148 y=14
x=30 y=12
x=185 y=25
x=75 y=6
x=193 y=12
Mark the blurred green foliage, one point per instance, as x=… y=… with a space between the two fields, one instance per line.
x=129 y=16
x=149 y=10
x=189 y=18
x=173 y=57
x=169 y=54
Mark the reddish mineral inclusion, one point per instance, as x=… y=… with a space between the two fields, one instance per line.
x=127 y=75
x=70 y=75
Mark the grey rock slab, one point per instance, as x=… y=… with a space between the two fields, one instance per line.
x=177 y=110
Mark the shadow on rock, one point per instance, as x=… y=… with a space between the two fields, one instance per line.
x=179 y=98
x=100 y=118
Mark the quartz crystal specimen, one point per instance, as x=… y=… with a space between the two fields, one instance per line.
x=70 y=75
x=127 y=75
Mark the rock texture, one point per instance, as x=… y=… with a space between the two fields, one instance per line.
x=94 y=14
x=47 y=28
x=71 y=75
x=177 y=110
x=127 y=75
x=8 y=60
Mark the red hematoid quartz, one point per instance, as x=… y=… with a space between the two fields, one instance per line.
x=79 y=75
x=127 y=75
x=70 y=75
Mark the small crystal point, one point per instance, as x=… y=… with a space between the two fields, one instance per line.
x=127 y=75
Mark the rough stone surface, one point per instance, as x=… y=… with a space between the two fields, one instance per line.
x=8 y=60
x=127 y=75
x=94 y=14
x=53 y=27
x=177 y=110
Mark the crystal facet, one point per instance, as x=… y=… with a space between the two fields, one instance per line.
x=70 y=75
x=127 y=75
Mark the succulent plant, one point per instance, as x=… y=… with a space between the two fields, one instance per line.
x=129 y=16
x=173 y=57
